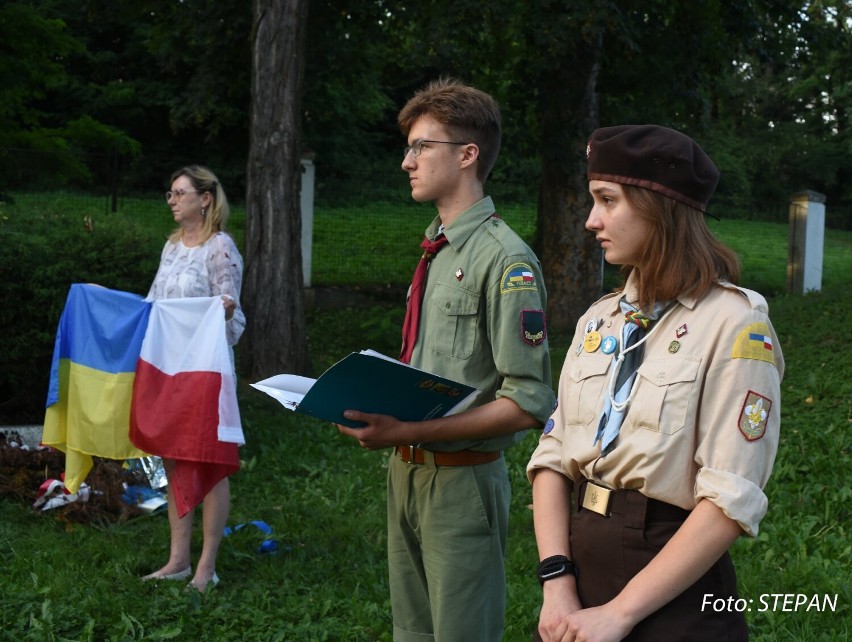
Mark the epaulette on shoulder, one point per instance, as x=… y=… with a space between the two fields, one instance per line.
x=755 y=299
x=508 y=238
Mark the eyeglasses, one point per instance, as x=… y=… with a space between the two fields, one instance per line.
x=179 y=193
x=417 y=146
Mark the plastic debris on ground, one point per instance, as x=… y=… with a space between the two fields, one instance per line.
x=53 y=494
x=24 y=471
x=268 y=545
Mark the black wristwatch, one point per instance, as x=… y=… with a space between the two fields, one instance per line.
x=555 y=566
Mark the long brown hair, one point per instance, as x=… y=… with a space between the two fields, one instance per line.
x=681 y=256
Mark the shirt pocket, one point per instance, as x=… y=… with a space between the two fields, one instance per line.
x=666 y=396
x=588 y=375
x=455 y=317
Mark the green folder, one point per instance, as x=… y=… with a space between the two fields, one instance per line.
x=370 y=382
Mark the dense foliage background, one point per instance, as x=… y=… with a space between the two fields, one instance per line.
x=114 y=95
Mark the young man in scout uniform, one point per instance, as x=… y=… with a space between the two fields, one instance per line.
x=478 y=319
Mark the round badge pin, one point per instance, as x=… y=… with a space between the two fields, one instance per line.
x=591 y=325
x=609 y=344
x=592 y=341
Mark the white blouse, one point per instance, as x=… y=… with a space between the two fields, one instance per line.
x=214 y=268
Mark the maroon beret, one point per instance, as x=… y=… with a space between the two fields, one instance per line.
x=653 y=157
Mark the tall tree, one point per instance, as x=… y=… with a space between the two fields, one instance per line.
x=567 y=104
x=275 y=332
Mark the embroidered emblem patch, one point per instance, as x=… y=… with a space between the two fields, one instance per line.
x=754 y=342
x=549 y=425
x=533 y=329
x=754 y=415
x=518 y=276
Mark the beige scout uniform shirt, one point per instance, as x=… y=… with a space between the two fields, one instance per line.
x=704 y=422
x=477 y=290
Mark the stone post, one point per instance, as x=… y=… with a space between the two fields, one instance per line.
x=805 y=244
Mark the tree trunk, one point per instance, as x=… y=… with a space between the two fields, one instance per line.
x=275 y=340
x=569 y=254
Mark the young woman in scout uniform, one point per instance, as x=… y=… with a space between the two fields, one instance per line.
x=667 y=423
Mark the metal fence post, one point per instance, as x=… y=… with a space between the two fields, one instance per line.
x=806 y=239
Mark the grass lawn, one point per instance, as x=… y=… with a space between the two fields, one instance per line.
x=324 y=498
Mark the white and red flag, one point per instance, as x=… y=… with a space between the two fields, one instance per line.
x=184 y=404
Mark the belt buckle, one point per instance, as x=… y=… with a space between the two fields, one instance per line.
x=411 y=449
x=596 y=499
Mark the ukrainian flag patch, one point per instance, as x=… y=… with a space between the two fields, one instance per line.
x=518 y=276
x=754 y=342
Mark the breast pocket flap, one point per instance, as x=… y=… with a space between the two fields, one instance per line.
x=589 y=365
x=665 y=372
x=454 y=301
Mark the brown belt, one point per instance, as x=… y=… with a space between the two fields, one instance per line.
x=414 y=455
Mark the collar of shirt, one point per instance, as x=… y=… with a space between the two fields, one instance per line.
x=631 y=295
x=463 y=227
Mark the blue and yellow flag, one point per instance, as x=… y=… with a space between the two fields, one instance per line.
x=91 y=378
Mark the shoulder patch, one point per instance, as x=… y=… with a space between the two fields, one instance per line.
x=754 y=342
x=518 y=276
x=754 y=415
x=533 y=329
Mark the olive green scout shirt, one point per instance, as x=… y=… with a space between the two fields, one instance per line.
x=483 y=319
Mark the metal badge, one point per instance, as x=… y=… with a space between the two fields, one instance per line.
x=674 y=346
x=592 y=341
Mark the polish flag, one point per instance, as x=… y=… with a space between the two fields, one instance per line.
x=184 y=404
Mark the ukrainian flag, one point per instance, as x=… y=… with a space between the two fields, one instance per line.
x=91 y=378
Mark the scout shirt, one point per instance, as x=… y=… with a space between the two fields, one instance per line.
x=704 y=421
x=482 y=320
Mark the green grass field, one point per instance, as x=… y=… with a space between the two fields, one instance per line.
x=376 y=244
x=324 y=498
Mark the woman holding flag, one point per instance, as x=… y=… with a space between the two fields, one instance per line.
x=198 y=260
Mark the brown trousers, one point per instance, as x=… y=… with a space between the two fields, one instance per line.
x=609 y=551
